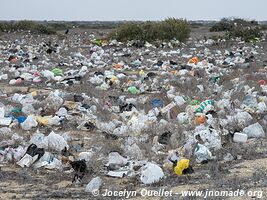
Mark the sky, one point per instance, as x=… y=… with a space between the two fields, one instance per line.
x=113 y=10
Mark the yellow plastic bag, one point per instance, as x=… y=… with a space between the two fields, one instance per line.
x=114 y=79
x=70 y=104
x=181 y=166
x=142 y=73
x=43 y=120
x=34 y=93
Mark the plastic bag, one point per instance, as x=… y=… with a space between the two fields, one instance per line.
x=54 y=163
x=27 y=160
x=133 y=90
x=203 y=105
x=202 y=153
x=54 y=100
x=29 y=123
x=43 y=161
x=210 y=137
x=43 y=120
x=151 y=173
x=2 y=112
x=181 y=166
x=115 y=160
x=201 y=119
x=28 y=109
x=54 y=121
x=179 y=100
x=85 y=156
x=48 y=74
x=254 y=131
x=62 y=112
x=40 y=140
x=157 y=103
x=93 y=185
x=6 y=121
x=56 y=142
x=21 y=119
x=19 y=152
x=57 y=71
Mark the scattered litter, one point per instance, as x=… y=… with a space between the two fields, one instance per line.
x=94 y=185
x=86 y=104
x=151 y=173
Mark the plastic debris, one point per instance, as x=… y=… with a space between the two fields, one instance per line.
x=202 y=153
x=94 y=185
x=29 y=123
x=79 y=99
x=157 y=103
x=181 y=166
x=56 y=142
x=57 y=71
x=151 y=173
x=254 y=131
x=240 y=138
x=115 y=160
x=228 y=157
x=133 y=90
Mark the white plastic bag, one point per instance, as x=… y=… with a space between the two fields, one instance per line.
x=62 y=112
x=43 y=161
x=179 y=100
x=19 y=152
x=85 y=156
x=254 y=131
x=56 y=142
x=151 y=173
x=54 y=121
x=29 y=123
x=27 y=160
x=211 y=137
x=115 y=159
x=2 y=112
x=48 y=74
x=40 y=140
x=183 y=118
x=93 y=185
x=6 y=121
x=28 y=109
x=202 y=153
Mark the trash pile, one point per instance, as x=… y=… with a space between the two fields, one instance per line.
x=165 y=109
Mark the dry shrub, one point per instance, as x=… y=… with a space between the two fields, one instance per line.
x=166 y=30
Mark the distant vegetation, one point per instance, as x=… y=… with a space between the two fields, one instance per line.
x=239 y=28
x=51 y=27
x=246 y=34
x=168 y=29
x=150 y=31
x=228 y=24
x=27 y=26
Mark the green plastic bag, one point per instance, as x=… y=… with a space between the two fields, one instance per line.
x=57 y=71
x=16 y=110
x=194 y=102
x=98 y=42
x=133 y=90
x=215 y=79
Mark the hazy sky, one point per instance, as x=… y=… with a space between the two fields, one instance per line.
x=86 y=10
